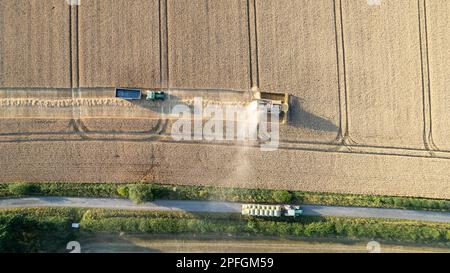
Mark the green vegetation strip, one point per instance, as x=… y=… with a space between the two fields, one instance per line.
x=48 y=229
x=147 y=192
x=36 y=230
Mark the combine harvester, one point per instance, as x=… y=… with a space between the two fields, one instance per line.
x=271 y=210
x=274 y=102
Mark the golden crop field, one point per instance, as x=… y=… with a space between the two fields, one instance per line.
x=369 y=89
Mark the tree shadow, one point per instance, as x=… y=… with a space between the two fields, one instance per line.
x=300 y=118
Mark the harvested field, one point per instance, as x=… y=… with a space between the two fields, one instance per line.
x=131 y=161
x=368 y=86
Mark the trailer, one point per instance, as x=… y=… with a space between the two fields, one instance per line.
x=271 y=210
x=128 y=94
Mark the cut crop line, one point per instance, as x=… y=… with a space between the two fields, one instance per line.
x=163 y=44
x=166 y=10
x=256 y=41
x=340 y=137
x=338 y=68
x=425 y=72
x=158 y=137
x=236 y=144
x=424 y=105
x=160 y=43
x=355 y=145
x=167 y=119
x=347 y=122
x=77 y=11
x=70 y=47
x=250 y=36
x=430 y=112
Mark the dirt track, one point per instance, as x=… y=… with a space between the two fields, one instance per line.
x=208 y=244
x=369 y=84
x=219 y=207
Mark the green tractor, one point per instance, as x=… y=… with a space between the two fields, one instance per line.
x=156 y=95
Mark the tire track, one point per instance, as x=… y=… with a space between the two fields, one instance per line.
x=159 y=131
x=327 y=148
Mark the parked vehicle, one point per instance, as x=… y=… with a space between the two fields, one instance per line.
x=271 y=210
